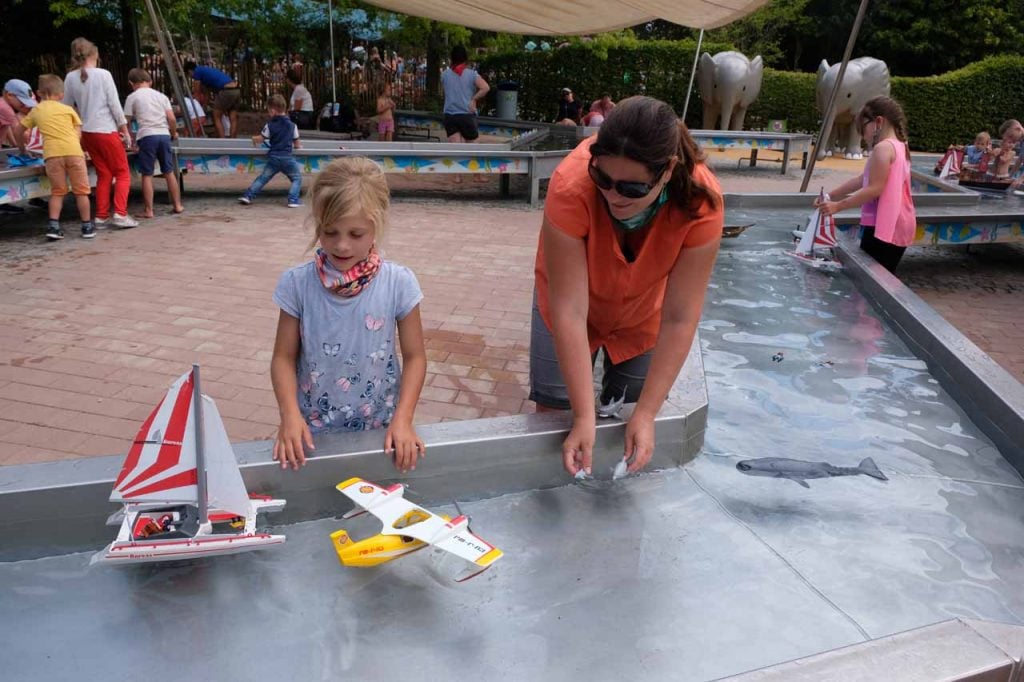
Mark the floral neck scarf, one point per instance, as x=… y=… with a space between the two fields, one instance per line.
x=353 y=280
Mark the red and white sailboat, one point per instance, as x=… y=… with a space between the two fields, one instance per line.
x=182 y=493
x=819 y=233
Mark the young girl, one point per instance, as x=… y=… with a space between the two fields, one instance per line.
x=335 y=364
x=887 y=217
x=385 y=115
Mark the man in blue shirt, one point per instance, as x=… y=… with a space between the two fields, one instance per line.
x=224 y=93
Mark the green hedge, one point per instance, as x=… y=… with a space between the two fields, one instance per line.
x=955 y=106
x=659 y=68
x=942 y=109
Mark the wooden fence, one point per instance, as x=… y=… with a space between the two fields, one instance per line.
x=259 y=81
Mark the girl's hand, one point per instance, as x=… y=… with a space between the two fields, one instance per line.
x=402 y=443
x=639 y=440
x=829 y=207
x=291 y=436
x=578 y=447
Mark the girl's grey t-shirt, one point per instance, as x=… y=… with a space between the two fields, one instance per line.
x=348 y=370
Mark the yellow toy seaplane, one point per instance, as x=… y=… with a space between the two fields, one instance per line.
x=407 y=527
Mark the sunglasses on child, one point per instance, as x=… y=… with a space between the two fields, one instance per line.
x=627 y=189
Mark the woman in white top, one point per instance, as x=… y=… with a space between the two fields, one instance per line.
x=92 y=92
x=300 y=107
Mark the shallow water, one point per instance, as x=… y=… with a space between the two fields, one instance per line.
x=693 y=573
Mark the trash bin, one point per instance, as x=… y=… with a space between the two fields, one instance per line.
x=508 y=100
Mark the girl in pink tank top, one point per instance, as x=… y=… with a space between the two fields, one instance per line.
x=887 y=217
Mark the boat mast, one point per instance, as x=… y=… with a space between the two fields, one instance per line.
x=197 y=401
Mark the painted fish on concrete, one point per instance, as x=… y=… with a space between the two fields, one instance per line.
x=799 y=471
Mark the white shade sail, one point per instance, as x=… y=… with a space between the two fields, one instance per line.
x=571 y=17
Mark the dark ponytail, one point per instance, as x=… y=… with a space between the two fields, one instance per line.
x=648 y=131
x=891 y=111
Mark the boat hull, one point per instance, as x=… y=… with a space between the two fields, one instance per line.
x=136 y=552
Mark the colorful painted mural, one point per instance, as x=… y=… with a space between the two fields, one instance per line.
x=721 y=142
x=212 y=164
x=933 y=234
x=25 y=187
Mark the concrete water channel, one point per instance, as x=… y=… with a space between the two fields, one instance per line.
x=690 y=572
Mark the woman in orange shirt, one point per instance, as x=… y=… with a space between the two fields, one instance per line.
x=631 y=228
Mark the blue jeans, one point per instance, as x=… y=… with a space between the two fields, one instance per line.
x=275 y=165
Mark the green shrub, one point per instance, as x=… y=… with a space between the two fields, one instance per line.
x=940 y=110
x=954 y=107
x=659 y=68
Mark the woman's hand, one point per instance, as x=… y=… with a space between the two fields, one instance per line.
x=578 y=447
x=291 y=436
x=404 y=445
x=639 y=440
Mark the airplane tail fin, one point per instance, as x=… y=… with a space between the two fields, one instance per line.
x=869 y=468
x=341 y=541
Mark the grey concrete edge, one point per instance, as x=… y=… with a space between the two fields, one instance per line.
x=60 y=507
x=955 y=649
x=991 y=396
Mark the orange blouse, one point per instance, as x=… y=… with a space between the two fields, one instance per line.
x=625 y=298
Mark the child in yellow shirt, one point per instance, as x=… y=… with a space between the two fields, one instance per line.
x=62 y=129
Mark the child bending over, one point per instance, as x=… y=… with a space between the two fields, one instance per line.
x=335 y=363
x=157 y=127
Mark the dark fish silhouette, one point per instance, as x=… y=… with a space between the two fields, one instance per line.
x=798 y=470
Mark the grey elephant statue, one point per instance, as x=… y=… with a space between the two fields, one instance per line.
x=865 y=78
x=729 y=84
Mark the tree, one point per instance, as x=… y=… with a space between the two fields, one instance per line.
x=914 y=37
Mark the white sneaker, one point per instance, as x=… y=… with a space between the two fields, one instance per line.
x=101 y=222
x=123 y=221
x=294 y=204
x=244 y=200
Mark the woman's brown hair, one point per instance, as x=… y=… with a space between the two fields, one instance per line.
x=82 y=49
x=648 y=131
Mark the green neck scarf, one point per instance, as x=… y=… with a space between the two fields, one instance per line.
x=641 y=219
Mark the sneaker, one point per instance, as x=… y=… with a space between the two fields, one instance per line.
x=123 y=221
x=88 y=231
x=294 y=204
x=53 y=232
x=244 y=200
x=101 y=222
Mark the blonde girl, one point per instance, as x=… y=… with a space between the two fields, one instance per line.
x=887 y=217
x=335 y=364
x=91 y=91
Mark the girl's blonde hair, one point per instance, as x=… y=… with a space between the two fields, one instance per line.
x=346 y=187
x=82 y=49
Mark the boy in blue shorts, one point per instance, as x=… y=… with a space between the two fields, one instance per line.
x=281 y=135
x=152 y=111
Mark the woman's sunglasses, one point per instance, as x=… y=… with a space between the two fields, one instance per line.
x=629 y=190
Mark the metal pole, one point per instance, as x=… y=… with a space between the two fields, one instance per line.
x=330 y=23
x=171 y=62
x=830 y=110
x=693 y=72
x=197 y=401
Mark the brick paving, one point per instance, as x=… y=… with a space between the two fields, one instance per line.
x=93 y=332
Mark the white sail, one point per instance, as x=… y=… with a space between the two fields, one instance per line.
x=949 y=168
x=806 y=243
x=161 y=465
x=225 y=489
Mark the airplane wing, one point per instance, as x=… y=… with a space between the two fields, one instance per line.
x=398 y=515
x=471 y=548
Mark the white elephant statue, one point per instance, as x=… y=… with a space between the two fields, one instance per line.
x=729 y=84
x=865 y=78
